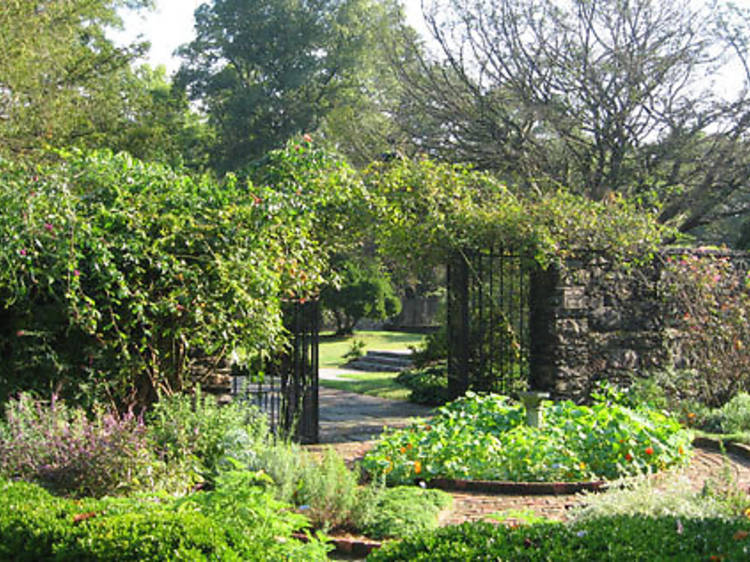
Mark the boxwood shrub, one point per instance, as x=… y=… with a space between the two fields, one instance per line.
x=238 y=521
x=620 y=538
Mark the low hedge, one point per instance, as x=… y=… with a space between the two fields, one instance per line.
x=37 y=526
x=620 y=538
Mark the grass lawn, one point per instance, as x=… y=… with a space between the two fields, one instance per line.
x=382 y=384
x=333 y=348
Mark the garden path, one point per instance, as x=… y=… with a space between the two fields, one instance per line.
x=348 y=421
x=350 y=417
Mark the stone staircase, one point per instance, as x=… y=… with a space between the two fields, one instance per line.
x=377 y=361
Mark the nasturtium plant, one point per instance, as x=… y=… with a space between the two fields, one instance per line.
x=485 y=437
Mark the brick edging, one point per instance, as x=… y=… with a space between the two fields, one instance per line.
x=355 y=547
x=507 y=488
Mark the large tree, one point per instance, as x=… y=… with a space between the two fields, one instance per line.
x=268 y=69
x=57 y=70
x=596 y=95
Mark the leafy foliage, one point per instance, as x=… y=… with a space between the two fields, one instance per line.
x=195 y=429
x=60 y=447
x=709 y=303
x=267 y=70
x=362 y=291
x=237 y=521
x=403 y=511
x=674 y=498
x=114 y=270
x=485 y=437
x=449 y=207
x=61 y=77
x=428 y=384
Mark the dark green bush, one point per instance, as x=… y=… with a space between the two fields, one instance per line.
x=618 y=539
x=238 y=521
x=432 y=349
x=428 y=384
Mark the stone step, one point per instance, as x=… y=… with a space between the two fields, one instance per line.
x=391 y=361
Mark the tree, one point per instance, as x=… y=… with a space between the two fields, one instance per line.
x=363 y=291
x=56 y=70
x=601 y=96
x=266 y=70
x=152 y=120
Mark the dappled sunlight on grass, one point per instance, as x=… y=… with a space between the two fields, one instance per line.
x=333 y=348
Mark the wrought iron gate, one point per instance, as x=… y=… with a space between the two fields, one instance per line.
x=488 y=321
x=288 y=390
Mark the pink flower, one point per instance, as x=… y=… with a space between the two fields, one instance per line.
x=22 y=252
x=76 y=273
x=306 y=138
x=20 y=333
x=49 y=227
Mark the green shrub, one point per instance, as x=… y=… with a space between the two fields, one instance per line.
x=675 y=498
x=403 y=511
x=108 y=453
x=485 y=437
x=618 y=539
x=114 y=268
x=237 y=521
x=356 y=349
x=428 y=384
x=432 y=349
x=330 y=491
x=185 y=428
x=732 y=417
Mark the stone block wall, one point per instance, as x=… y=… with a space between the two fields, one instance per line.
x=591 y=321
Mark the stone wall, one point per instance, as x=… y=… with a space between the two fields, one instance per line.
x=591 y=321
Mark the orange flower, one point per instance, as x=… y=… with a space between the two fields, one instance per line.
x=403 y=450
x=628 y=457
x=681 y=450
x=408 y=445
x=649 y=450
x=740 y=535
x=417 y=467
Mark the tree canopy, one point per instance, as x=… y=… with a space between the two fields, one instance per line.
x=266 y=70
x=59 y=73
x=598 y=96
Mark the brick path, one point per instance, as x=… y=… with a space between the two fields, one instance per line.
x=349 y=422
